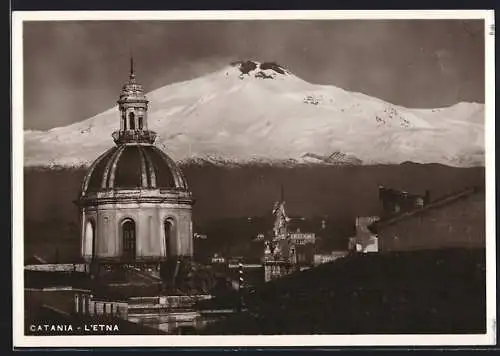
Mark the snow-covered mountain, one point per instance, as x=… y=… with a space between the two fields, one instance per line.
x=261 y=112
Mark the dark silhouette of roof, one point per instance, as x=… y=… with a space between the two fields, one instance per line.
x=433 y=291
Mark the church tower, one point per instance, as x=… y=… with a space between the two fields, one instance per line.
x=279 y=252
x=133 y=107
x=135 y=203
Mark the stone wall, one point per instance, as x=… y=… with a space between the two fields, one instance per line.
x=461 y=223
x=149 y=222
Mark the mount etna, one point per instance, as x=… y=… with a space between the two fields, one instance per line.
x=252 y=112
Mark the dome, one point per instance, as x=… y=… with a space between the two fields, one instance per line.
x=133 y=167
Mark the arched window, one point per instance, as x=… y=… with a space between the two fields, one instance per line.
x=168 y=228
x=129 y=239
x=140 y=122
x=124 y=121
x=90 y=238
x=131 y=119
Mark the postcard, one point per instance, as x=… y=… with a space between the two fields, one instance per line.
x=253 y=178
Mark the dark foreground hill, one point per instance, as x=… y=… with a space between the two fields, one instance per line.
x=441 y=291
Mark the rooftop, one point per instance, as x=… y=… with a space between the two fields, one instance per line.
x=441 y=291
x=436 y=204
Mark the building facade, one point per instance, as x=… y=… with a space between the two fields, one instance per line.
x=395 y=201
x=135 y=203
x=365 y=241
x=457 y=220
x=303 y=238
x=328 y=257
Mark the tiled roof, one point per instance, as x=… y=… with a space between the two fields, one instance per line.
x=133 y=167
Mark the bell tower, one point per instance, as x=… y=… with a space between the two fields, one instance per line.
x=133 y=107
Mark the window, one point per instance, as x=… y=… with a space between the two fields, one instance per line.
x=131 y=118
x=168 y=227
x=90 y=237
x=140 y=122
x=129 y=239
x=419 y=203
x=124 y=121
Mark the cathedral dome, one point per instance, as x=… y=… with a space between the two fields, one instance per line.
x=133 y=166
x=134 y=200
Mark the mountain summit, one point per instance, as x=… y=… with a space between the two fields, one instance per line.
x=266 y=70
x=252 y=111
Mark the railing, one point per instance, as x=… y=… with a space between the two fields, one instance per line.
x=84 y=304
x=59 y=267
x=116 y=309
x=124 y=136
x=167 y=302
x=246 y=265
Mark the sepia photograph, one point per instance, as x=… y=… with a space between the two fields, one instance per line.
x=264 y=178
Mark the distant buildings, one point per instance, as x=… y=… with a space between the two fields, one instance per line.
x=456 y=220
x=303 y=238
x=259 y=237
x=328 y=257
x=289 y=248
x=396 y=201
x=216 y=259
x=365 y=241
x=411 y=221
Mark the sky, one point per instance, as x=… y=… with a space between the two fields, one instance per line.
x=74 y=70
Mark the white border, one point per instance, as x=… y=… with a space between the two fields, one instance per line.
x=20 y=340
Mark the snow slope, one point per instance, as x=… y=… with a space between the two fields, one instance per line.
x=244 y=113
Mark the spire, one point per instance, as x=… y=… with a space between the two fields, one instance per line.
x=132 y=73
x=133 y=107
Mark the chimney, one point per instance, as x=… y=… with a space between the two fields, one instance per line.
x=380 y=191
x=427 y=197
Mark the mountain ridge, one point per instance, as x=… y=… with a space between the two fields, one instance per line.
x=255 y=111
